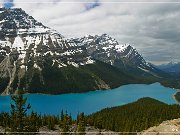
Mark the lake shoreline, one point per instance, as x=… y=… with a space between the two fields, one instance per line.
x=90 y=90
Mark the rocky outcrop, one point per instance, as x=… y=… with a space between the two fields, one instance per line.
x=170 y=127
x=57 y=131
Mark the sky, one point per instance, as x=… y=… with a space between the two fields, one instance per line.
x=152 y=27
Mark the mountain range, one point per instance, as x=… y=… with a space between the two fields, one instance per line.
x=38 y=59
x=171 y=67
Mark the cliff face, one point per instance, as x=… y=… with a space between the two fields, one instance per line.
x=170 y=127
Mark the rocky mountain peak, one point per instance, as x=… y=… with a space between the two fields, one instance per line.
x=27 y=44
x=16 y=21
x=107 y=49
x=28 y=37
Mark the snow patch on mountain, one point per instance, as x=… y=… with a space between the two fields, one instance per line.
x=108 y=50
x=18 y=44
x=29 y=38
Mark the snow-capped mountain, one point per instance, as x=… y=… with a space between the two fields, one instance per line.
x=24 y=40
x=38 y=59
x=108 y=50
x=26 y=37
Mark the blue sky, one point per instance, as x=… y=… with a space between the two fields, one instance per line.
x=150 y=26
x=7 y=3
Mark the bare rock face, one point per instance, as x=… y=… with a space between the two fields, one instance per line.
x=170 y=127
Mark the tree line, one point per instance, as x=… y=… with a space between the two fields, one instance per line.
x=18 y=121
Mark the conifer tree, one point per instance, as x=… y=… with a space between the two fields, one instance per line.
x=81 y=124
x=19 y=113
x=51 y=122
x=64 y=124
x=34 y=122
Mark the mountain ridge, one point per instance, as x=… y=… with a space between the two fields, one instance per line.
x=123 y=56
x=171 y=67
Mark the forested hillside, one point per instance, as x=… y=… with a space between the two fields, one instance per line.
x=71 y=79
x=137 y=116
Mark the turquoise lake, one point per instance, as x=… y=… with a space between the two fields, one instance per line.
x=93 y=101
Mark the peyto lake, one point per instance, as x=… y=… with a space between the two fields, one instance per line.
x=93 y=101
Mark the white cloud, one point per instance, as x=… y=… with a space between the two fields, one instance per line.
x=153 y=28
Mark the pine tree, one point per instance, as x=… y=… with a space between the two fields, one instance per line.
x=51 y=122
x=62 y=115
x=64 y=124
x=81 y=124
x=33 y=122
x=19 y=113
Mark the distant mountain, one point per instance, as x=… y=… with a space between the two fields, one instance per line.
x=38 y=59
x=170 y=67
